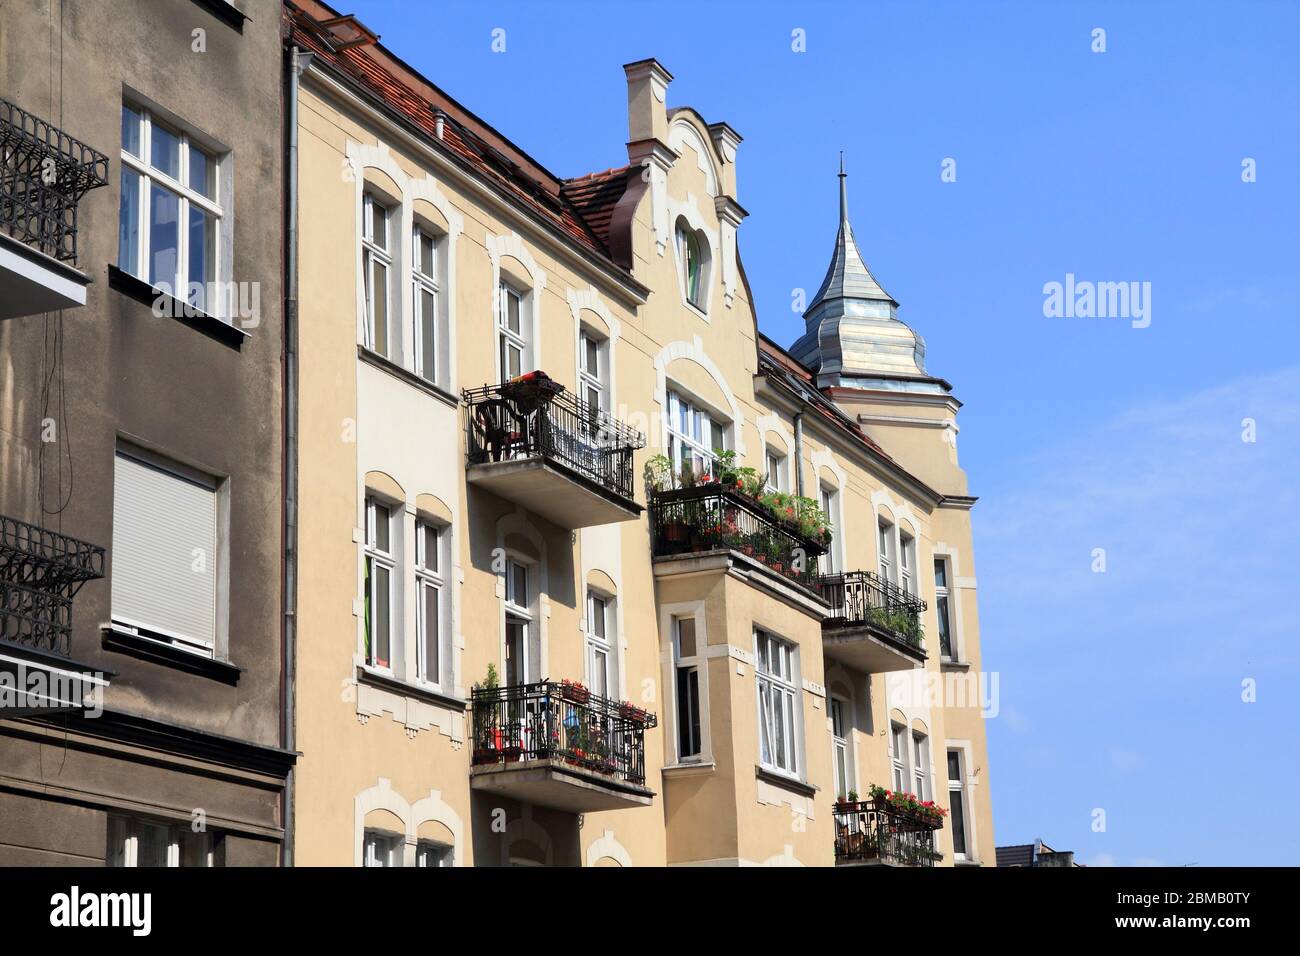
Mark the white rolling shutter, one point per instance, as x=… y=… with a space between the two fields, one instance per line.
x=164 y=559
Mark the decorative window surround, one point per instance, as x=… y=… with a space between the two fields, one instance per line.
x=607 y=845
x=432 y=808
x=590 y=300
x=690 y=212
x=694 y=350
x=402 y=223
x=499 y=247
x=668 y=613
x=517 y=522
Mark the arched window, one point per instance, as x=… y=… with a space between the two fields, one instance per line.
x=693 y=259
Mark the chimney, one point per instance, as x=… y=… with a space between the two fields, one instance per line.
x=647 y=90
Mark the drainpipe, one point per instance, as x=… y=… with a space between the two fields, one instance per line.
x=297 y=63
x=798 y=453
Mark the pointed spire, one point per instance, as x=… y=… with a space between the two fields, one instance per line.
x=848 y=276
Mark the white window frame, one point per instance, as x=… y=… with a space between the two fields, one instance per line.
x=508 y=338
x=125 y=831
x=686 y=665
x=376 y=557
x=921 y=766
x=957 y=798
x=830 y=504
x=523 y=612
x=898 y=756
x=885 y=544
x=431 y=853
x=593 y=380
x=600 y=607
x=777 y=472
x=429 y=578
x=372 y=252
x=907 y=563
x=776 y=674
x=943 y=608
x=841 y=744
x=382 y=848
x=426 y=367
x=683 y=231
x=150 y=175
x=691 y=431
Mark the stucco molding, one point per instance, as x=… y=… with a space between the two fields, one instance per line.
x=382 y=796
x=607 y=845
x=689 y=210
x=516 y=522
x=682 y=132
x=513 y=246
x=694 y=351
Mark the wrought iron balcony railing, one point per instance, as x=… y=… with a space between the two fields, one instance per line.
x=534 y=417
x=550 y=720
x=865 y=832
x=864 y=597
x=41 y=572
x=44 y=173
x=708 y=517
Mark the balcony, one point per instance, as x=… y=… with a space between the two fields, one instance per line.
x=41 y=572
x=558 y=745
x=44 y=173
x=533 y=442
x=870 y=833
x=874 y=625
x=711 y=517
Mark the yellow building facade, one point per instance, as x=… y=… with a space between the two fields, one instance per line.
x=549 y=620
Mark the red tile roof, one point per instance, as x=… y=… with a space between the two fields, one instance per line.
x=378 y=72
x=595 y=196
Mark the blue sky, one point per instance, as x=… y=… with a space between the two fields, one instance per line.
x=1121 y=690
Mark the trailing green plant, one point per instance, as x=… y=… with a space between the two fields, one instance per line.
x=659 y=473
x=905 y=624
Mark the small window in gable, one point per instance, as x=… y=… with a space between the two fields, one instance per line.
x=693 y=263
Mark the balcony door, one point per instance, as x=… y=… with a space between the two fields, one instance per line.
x=839 y=708
x=519 y=666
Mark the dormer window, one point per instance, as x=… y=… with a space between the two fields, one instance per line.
x=693 y=261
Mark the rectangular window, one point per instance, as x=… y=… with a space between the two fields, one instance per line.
x=381 y=565
x=778 y=698
x=512 y=333
x=942 y=608
x=382 y=848
x=428 y=853
x=687 y=660
x=592 y=374
x=839 y=709
x=920 y=766
x=907 y=563
x=830 y=508
x=136 y=842
x=599 y=645
x=165 y=553
x=424 y=271
x=886 y=547
x=376 y=272
x=518 y=621
x=693 y=436
x=429 y=608
x=957 y=804
x=898 y=756
x=171 y=213
x=776 y=477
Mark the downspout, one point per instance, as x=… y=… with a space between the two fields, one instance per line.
x=297 y=63
x=798 y=453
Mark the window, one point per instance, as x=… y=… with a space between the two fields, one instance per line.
x=693 y=436
x=830 y=508
x=424 y=272
x=593 y=377
x=170 y=218
x=687 y=659
x=380 y=567
x=383 y=848
x=920 y=766
x=135 y=842
x=429 y=607
x=428 y=853
x=600 y=658
x=165 y=552
x=957 y=804
x=886 y=551
x=377 y=268
x=907 y=563
x=518 y=620
x=839 y=709
x=512 y=333
x=898 y=756
x=777 y=700
x=941 y=606
x=693 y=261
x=776 y=474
